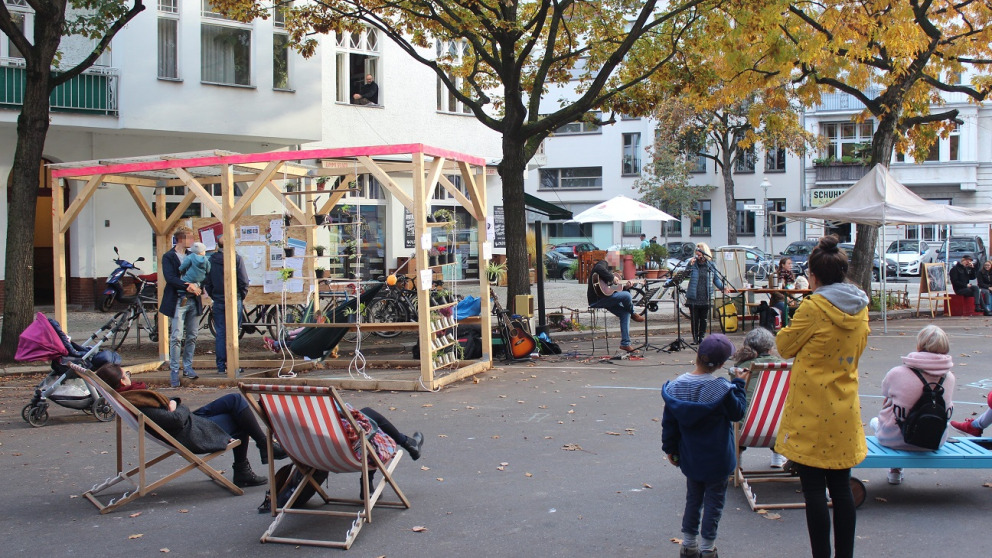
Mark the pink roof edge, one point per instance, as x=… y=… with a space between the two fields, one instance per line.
x=378 y=150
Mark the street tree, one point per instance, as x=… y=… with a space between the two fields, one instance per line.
x=45 y=69
x=897 y=59
x=513 y=54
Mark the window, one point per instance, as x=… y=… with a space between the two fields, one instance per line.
x=745 y=219
x=358 y=56
x=934 y=153
x=775 y=223
x=631 y=154
x=700 y=164
x=846 y=139
x=632 y=228
x=19 y=15
x=775 y=160
x=744 y=163
x=579 y=177
x=451 y=52
x=702 y=225
x=225 y=49
x=168 y=39
x=954 y=144
x=588 y=125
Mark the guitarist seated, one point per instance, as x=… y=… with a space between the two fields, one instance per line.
x=604 y=292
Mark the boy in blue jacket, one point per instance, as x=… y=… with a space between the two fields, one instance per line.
x=697 y=435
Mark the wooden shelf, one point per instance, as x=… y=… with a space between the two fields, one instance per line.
x=325 y=191
x=443 y=306
x=444 y=224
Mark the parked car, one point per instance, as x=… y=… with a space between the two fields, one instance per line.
x=798 y=252
x=619 y=247
x=910 y=255
x=890 y=264
x=573 y=248
x=756 y=260
x=972 y=246
x=679 y=252
x=558 y=265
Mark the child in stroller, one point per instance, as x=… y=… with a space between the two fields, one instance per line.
x=45 y=340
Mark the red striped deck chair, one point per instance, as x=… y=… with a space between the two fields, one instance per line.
x=760 y=426
x=307 y=422
x=147 y=431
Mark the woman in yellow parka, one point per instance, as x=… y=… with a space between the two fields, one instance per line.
x=821 y=423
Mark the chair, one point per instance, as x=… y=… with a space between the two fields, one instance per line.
x=147 y=431
x=760 y=427
x=307 y=422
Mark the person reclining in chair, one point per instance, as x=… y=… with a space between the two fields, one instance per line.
x=205 y=430
x=612 y=298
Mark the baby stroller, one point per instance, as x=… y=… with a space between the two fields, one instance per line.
x=45 y=340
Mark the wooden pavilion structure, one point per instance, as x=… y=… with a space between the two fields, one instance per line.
x=408 y=174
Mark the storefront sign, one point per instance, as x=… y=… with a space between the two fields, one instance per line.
x=823 y=196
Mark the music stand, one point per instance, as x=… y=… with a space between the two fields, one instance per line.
x=650 y=305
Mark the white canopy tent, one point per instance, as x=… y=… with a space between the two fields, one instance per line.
x=879 y=199
x=621 y=209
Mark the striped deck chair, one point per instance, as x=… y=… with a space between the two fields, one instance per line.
x=307 y=422
x=147 y=431
x=760 y=427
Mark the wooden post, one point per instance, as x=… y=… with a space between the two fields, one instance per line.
x=231 y=314
x=421 y=205
x=58 y=249
x=162 y=245
x=486 y=311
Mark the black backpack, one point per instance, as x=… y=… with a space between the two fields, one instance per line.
x=925 y=423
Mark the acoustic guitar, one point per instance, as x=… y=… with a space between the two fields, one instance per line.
x=602 y=288
x=519 y=344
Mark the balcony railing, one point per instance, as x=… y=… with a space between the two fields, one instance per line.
x=840 y=172
x=843 y=101
x=92 y=92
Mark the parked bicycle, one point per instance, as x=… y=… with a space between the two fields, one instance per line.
x=141 y=309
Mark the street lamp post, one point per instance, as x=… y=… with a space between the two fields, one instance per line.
x=765 y=185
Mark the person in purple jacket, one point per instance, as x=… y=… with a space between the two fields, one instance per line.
x=901 y=387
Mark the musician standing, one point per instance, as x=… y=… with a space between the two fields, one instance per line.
x=703 y=277
x=617 y=302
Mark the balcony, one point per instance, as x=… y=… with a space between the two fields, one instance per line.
x=839 y=172
x=92 y=92
x=843 y=101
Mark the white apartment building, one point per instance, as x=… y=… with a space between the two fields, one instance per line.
x=182 y=78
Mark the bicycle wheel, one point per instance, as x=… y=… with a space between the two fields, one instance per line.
x=352 y=336
x=120 y=328
x=293 y=314
x=386 y=311
x=213 y=327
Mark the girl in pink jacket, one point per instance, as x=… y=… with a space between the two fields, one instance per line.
x=901 y=387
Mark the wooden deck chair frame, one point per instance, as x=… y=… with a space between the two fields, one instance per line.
x=304 y=453
x=146 y=431
x=760 y=427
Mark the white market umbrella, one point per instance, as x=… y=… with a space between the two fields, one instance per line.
x=621 y=209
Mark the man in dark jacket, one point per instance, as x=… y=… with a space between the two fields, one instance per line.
x=214 y=285
x=368 y=93
x=183 y=311
x=985 y=285
x=617 y=302
x=961 y=274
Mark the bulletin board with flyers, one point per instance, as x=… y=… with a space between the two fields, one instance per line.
x=261 y=241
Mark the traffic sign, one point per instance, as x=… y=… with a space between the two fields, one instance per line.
x=759 y=213
x=753 y=207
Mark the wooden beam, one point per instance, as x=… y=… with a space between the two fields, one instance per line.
x=145 y=209
x=253 y=191
x=144 y=182
x=177 y=213
x=66 y=219
x=459 y=197
x=58 y=246
x=388 y=182
x=205 y=197
x=421 y=205
x=289 y=169
x=478 y=198
x=291 y=207
x=231 y=314
x=337 y=193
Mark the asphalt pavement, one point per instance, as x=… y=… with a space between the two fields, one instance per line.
x=560 y=457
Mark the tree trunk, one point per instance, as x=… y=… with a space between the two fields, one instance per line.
x=511 y=170
x=22 y=196
x=864 y=247
x=728 y=196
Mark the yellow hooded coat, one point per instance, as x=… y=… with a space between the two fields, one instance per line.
x=821 y=421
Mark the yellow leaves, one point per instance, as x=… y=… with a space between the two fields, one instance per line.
x=136 y=536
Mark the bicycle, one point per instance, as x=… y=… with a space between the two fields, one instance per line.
x=258 y=318
x=120 y=325
x=395 y=304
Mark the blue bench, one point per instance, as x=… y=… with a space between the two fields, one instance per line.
x=956 y=453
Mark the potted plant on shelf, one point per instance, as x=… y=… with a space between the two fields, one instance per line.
x=319 y=249
x=286 y=273
x=321 y=182
x=320 y=271
x=445 y=216
x=287 y=219
x=433 y=255
x=495 y=270
x=290 y=251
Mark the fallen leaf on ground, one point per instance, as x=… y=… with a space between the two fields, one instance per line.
x=646 y=485
x=164 y=550
x=183 y=511
x=427 y=405
x=425 y=468
x=613 y=433
x=676 y=541
x=571 y=447
x=135 y=514
x=419 y=529
x=138 y=536
x=442 y=435
x=880 y=499
x=392 y=408
x=773 y=516
x=528 y=475
x=496 y=437
x=440 y=479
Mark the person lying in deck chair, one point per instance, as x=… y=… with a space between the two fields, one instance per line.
x=975 y=426
x=205 y=430
x=901 y=388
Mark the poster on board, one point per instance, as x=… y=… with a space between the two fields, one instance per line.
x=933 y=279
